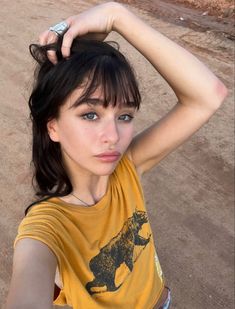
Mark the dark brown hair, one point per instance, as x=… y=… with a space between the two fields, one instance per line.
x=99 y=63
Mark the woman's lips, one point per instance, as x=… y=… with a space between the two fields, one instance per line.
x=109 y=156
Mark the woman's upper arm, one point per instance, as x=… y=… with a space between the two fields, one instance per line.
x=166 y=135
x=32 y=283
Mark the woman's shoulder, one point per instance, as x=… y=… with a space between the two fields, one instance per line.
x=44 y=221
x=45 y=209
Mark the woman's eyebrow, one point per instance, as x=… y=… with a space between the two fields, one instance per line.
x=99 y=102
x=92 y=101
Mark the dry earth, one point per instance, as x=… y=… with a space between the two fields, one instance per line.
x=221 y=8
x=189 y=195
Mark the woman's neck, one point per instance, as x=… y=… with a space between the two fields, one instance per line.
x=87 y=190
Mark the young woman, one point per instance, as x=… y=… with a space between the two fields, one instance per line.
x=90 y=233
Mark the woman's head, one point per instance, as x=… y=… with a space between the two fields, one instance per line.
x=93 y=66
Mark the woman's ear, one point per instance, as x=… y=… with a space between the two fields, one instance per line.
x=52 y=129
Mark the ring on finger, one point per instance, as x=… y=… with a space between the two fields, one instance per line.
x=60 y=28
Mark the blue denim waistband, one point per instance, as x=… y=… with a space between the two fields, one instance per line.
x=167 y=303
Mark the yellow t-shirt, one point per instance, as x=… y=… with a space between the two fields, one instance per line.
x=106 y=254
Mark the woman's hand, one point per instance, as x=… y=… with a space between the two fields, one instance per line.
x=95 y=23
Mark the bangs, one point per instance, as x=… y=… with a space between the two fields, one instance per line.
x=115 y=80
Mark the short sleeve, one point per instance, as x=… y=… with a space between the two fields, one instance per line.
x=40 y=226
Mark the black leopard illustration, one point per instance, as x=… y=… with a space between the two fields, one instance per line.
x=119 y=250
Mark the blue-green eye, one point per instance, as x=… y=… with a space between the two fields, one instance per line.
x=89 y=116
x=126 y=117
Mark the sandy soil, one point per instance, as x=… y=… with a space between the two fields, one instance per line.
x=210 y=15
x=189 y=195
x=223 y=8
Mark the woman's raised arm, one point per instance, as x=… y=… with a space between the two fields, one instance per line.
x=199 y=92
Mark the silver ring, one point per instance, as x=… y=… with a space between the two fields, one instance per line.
x=60 y=28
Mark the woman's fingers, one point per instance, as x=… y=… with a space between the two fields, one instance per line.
x=96 y=21
x=43 y=37
x=52 y=37
x=51 y=54
x=68 y=38
x=48 y=37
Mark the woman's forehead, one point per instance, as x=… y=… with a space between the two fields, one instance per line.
x=95 y=98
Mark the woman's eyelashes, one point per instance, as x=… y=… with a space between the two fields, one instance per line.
x=92 y=116
x=126 y=117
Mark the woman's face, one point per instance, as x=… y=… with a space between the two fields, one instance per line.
x=92 y=138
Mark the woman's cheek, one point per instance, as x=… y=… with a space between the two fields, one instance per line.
x=127 y=135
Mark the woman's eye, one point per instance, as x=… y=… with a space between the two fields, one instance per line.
x=89 y=116
x=126 y=117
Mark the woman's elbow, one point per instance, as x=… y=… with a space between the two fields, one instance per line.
x=220 y=93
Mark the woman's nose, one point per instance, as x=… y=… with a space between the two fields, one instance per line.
x=110 y=133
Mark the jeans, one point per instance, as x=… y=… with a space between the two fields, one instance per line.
x=167 y=303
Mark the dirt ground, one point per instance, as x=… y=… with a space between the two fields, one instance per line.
x=189 y=195
x=220 y=8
